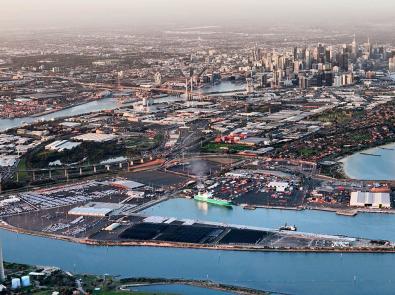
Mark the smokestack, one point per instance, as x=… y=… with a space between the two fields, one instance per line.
x=2 y=274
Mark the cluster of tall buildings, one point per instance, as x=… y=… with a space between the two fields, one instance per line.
x=318 y=66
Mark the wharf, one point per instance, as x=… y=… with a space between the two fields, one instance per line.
x=370 y=154
x=347 y=212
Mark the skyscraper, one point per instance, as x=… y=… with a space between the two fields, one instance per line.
x=391 y=64
x=354 y=48
x=320 y=54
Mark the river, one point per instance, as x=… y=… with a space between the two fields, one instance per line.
x=93 y=106
x=293 y=273
x=101 y=105
x=368 y=167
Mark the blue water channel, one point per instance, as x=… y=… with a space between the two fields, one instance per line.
x=366 y=225
x=292 y=273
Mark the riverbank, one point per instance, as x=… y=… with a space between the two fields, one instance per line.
x=49 y=279
x=129 y=283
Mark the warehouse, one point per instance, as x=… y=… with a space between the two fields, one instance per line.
x=95 y=209
x=369 y=199
x=126 y=184
x=95 y=137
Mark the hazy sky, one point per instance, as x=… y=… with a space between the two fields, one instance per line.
x=118 y=13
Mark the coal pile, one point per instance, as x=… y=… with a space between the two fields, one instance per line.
x=143 y=231
x=243 y=236
x=185 y=233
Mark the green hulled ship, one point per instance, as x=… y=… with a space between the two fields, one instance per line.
x=208 y=198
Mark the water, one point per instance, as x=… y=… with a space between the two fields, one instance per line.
x=364 y=167
x=367 y=225
x=93 y=106
x=293 y=273
x=224 y=86
x=180 y=289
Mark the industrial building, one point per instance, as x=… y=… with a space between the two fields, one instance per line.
x=279 y=186
x=369 y=199
x=95 y=209
x=95 y=137
x=127 y=184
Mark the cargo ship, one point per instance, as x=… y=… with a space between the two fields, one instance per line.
x=208 y=198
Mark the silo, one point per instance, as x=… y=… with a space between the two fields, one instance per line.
x=25 y=281
x=15 y=283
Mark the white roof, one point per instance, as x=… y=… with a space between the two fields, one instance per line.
x=278 y=183
x=89 y=211
x=369 y=198
x=97 y=137
x=130 y=184
x=8 y=160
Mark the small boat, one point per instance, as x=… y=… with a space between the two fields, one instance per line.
x=286 y=227
x=249 y=207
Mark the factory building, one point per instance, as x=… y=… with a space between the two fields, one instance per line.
x=369 y=199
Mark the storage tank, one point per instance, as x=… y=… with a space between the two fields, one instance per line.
x=25 y=281
x=15 y=283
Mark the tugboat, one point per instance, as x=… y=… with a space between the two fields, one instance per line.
x=286 y=227
x=208 y=198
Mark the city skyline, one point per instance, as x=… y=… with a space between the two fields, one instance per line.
x=197 y=147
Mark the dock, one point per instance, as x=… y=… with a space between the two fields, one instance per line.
x=387 y=149
x=347 y=212
x=370 y=154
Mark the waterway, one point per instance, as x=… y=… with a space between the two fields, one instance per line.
x=368 y=167
x=365 y=225
x=101 y=105
x=292 y=273
x=93 y=106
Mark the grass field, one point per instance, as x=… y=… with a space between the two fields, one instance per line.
x=223 y=147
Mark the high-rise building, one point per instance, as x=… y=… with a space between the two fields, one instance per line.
x=249 y=85
x=320 y=58
x=342 y=60
x=328 y=56
x=391 y=64
x=262 y=79
x=347 y=79
x=308 y=60
x=303 y=82
x=158 y=79
x=337 y=81
x=354 y=48
x=368 y=48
